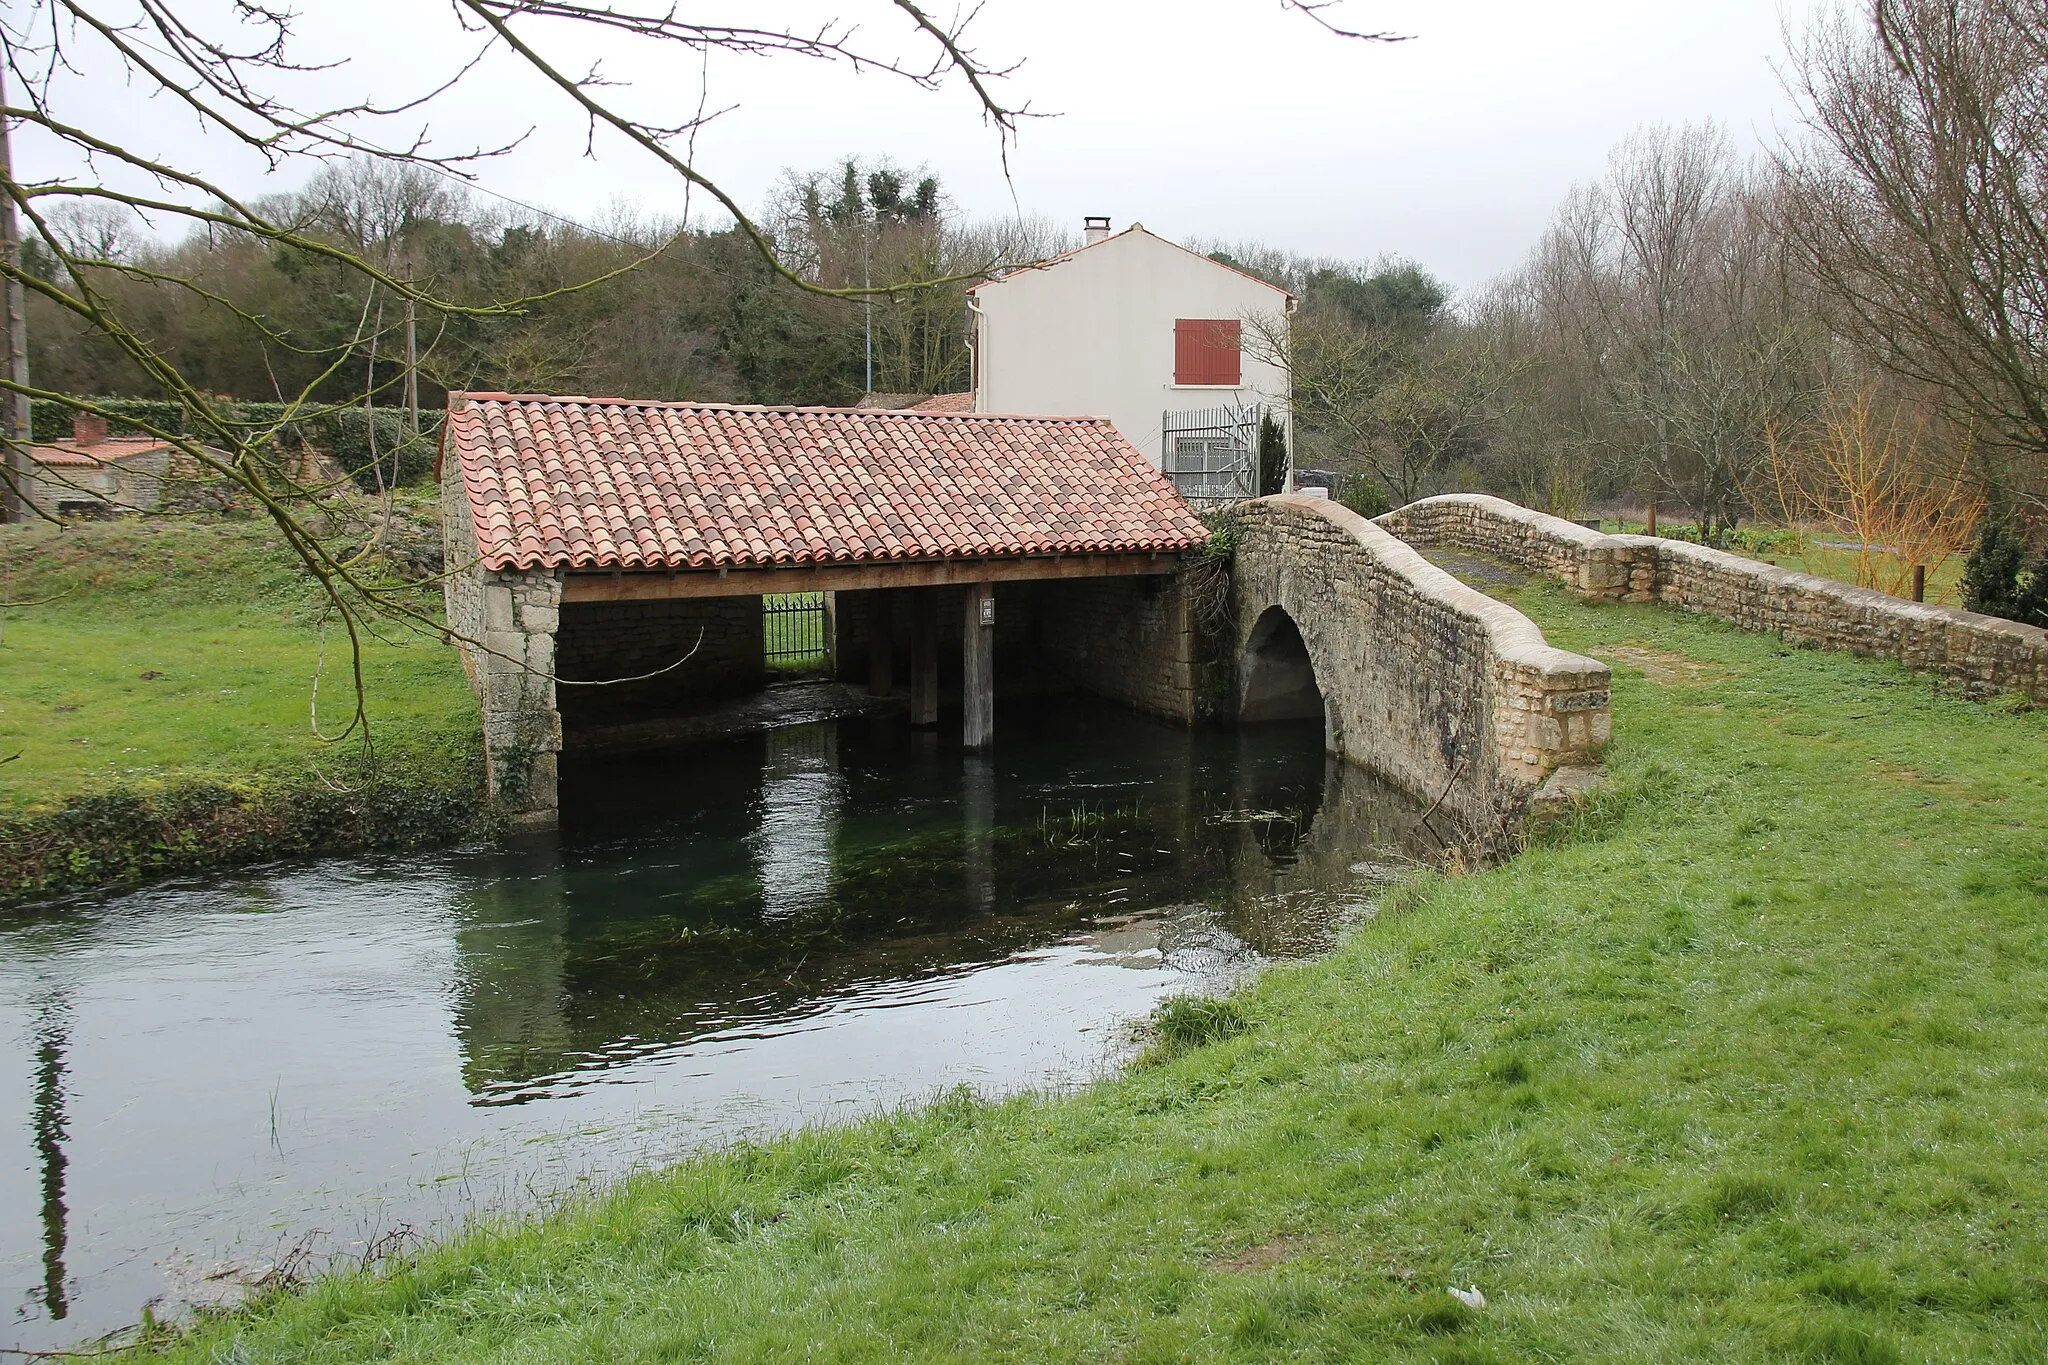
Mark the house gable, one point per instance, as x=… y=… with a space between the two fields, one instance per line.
x=1131 y=328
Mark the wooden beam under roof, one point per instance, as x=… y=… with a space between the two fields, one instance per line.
x=642 y=585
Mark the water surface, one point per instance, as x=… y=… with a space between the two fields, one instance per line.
x=203 y=1079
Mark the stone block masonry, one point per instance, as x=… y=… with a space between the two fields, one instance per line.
x=1132 y=640
x=604 y=642
x=1449 y=695
x=504 y=624
x=1983 y=653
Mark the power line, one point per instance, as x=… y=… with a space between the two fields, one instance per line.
x=475 y=188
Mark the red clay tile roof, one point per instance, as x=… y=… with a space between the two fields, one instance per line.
x=945 y=402
x=1016 y=272
x=602 y=483
x=110 y=451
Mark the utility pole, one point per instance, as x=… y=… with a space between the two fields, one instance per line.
x=412 y=360
x=14 y=416
x=867 y=281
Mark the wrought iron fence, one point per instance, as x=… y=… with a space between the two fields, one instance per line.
x=1212 y=454
x=793 y=631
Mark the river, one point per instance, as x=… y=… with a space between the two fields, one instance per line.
x=295 y=1064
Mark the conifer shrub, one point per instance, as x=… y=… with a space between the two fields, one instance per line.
x=1998 y=579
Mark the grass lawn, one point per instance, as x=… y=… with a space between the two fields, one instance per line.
x=186 y=647
x=1944 y=580
x=793 y=631
x=1749 y=1066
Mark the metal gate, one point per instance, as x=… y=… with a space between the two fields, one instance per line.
x=793 y=631
x=1212 y=454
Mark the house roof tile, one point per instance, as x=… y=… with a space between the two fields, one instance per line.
x=110 y=451
x=604 y=483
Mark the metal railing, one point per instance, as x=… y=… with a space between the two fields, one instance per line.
x=793 y=631
x=1212 y=454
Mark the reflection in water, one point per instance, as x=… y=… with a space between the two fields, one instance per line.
x=730 y=941
x=978 y=811
x=800 y=792
x=779 y=873
x=48 y=1122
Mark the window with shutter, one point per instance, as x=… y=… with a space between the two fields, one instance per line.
x=1207 y=351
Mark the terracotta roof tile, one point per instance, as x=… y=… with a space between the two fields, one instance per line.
x=589 y=483
x=113 y=450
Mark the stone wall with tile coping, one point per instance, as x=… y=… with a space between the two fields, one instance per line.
x=1983 y=653
x=1448 y=694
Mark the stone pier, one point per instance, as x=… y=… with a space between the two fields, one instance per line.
x=504 y=622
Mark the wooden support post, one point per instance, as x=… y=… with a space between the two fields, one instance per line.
x=882 y=642
x=978 y=666
x=1650 y=520
x=1919 y=582
x=924 y=657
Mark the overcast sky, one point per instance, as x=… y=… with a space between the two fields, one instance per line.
x=1210 y=119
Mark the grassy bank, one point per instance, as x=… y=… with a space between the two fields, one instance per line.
x=156 y=693
x=1748 y=1066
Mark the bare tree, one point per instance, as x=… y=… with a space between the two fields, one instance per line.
x=870 y=223
x=1666 y=329
x=1920 y=197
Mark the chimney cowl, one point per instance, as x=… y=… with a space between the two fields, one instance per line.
x=1094 y=228
x=87 y=429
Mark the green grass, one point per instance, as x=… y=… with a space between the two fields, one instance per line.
x=794 y=643
x=171 y=648
x=1748 y=1065
x=1944 y=580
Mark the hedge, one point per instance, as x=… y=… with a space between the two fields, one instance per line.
x=131 y=834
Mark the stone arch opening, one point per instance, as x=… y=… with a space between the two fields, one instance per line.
x=1279 y=678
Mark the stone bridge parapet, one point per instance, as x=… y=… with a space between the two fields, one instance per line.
x=1448 y=694
x=1982 y=652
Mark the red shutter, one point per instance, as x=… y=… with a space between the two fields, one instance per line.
x=1207 y=351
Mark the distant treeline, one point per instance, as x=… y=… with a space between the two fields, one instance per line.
x=697 y=313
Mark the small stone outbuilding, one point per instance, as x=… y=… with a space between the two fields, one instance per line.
x=94 y=474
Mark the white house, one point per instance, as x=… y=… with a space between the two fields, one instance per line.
x=1142 y=331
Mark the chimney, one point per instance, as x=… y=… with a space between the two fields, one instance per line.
x=87 y=430
x=1094 y=229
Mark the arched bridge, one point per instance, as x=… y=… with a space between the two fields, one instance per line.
x=1452 y=696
